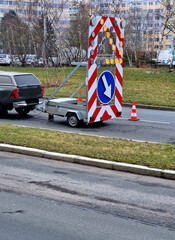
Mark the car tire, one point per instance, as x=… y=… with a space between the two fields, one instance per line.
x=22 y=111
x=72 y=120
x=3 y=111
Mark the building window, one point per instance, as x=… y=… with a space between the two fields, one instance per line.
x=150 y=3
x=169 y=37
x=157 y=3
x=168 y=47
x=150 y=47
x=123 y=5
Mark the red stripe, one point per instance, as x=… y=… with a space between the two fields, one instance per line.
x=92 y=79
x=96 y=30
x=118 y=96
x=91 y=101
x=117 y=53
x=105 y=116
x=89 y=63
x=114 y=109
x=95 y=114
x=95 y=53
x=117 y=29
x=119 y=77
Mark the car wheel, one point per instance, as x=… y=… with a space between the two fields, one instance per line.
x=72 y=120
x=22 y=111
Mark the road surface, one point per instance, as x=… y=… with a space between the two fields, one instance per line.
x=44 y=199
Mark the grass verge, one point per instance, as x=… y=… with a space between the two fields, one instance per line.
x=147 y=154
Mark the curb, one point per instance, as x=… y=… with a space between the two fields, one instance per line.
x=171 y=109
x=131 y=168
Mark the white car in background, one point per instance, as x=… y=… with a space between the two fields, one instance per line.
x=5 y=59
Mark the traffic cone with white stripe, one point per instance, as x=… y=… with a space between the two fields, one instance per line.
x=80 y=100
x=133 y=113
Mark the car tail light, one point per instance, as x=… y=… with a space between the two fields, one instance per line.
x=15 y=93
x=42 y=90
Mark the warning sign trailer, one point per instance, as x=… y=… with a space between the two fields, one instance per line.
x=103 y=86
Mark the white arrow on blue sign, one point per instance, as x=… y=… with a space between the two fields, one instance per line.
x=106 y=87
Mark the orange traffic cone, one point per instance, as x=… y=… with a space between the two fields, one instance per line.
x=80 y=100
x=133 y=113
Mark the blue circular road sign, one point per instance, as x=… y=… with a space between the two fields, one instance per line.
x=106 y=87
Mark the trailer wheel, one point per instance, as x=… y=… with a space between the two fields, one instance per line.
x=72 y=120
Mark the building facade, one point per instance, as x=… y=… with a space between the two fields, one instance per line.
x=169 y=16
x=151 y=20
x=145 y=18
x=57 y=11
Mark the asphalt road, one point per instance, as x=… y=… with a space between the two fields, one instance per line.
x=153 y=126
x=44 y=199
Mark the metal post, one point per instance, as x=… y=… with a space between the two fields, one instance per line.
x=78 y=89
x=45 y=32
x=75 y=69
x=172 y=41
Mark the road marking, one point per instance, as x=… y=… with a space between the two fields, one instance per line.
x=167 y=123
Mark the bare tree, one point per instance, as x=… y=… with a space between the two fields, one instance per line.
x=78 y=34
x=168 y=17
x=48 y=15
x=15 y=36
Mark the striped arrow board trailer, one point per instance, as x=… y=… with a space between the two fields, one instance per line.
x=104 y=92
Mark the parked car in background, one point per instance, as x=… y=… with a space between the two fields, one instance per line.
x=5 y=59
x=40 y=62
x=21 y=91
x=27 y=60
x=31 y=60
x=165 y=57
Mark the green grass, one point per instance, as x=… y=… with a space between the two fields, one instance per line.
x=154 y=87
x=149 y=86
x=152 y=155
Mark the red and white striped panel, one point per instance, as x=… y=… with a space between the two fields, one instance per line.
x=104 y=112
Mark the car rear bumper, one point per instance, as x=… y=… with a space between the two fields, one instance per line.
x=23 y=104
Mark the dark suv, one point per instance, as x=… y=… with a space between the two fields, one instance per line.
x=21 y=91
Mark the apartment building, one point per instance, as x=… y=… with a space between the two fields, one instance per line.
x=169 y=16
x=74 y=8
x=56 y=10
x=144 y=16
